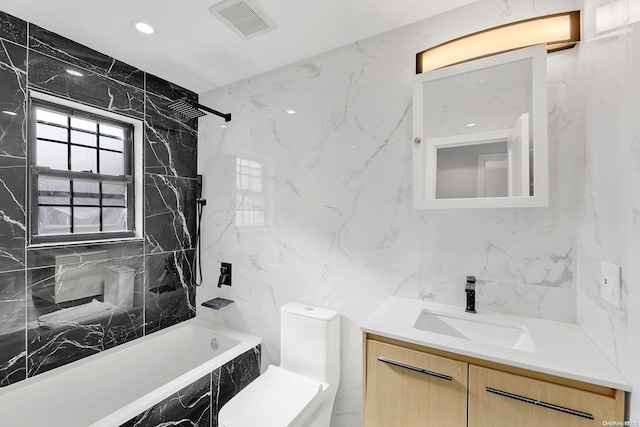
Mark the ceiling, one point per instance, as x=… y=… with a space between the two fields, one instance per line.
x=196 y=50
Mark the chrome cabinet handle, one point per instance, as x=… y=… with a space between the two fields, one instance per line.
x=415 y=368
x=540 y=403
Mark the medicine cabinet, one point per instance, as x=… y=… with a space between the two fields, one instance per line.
x=480 y=133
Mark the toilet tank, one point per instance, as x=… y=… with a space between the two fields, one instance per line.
x=311 y=342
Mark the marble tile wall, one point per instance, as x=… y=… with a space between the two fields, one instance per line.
x=163 y=292
x=339 y=227
x=199 y=403
x=609 y=220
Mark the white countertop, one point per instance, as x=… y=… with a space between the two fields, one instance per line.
x=562 y=349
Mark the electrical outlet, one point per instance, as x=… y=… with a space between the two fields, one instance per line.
x=610 y=283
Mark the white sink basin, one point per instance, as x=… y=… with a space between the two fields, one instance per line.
x=474 y=327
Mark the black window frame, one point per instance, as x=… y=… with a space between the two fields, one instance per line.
x=35 y=171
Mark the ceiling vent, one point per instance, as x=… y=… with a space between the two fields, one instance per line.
x=244 y=17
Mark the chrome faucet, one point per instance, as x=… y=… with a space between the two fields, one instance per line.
x=470 y=290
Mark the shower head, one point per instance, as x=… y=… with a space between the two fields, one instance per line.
x=185 y=108
x=191 y=110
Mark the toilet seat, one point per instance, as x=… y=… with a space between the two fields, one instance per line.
x=277 y=398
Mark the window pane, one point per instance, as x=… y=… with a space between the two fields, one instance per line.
x=256 y=184
x=244 y=182
x=86 y=193
x=53 y=191
x=83 y=124
x=259 y=218
x=52 y=154
x=54 y=220
x=111 y=143
x=86 y=220
x=114 y=194
x=83 y=138
x=51 y=117
x=112 y=130
x=51 y=132
x=83 y=159
x=111 y=163
x=114 y=219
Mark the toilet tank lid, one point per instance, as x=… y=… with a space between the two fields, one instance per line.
x=309 y=311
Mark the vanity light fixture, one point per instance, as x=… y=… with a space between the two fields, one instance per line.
x=558 y=31
x=75 y=73
x=144 y=27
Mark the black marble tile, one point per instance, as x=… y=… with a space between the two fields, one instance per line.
x=168 y=90
x=13 y=29
x=79 y=278
x=13 y=215
x=53 y=342
x=51 y=348
x=45 y=257
x=171 y=141
x=50 y=75
x=170 y=213
x=75 y=53
x=170 y=291
x=13 y=94
x=12 y=328
x=189 y=407
x=231 y=378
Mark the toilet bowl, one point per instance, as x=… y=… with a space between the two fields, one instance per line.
x=301 y=391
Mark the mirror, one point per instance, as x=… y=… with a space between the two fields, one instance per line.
x=480 y=131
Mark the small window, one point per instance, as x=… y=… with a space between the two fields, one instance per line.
x=250 y=203
x=81 y=175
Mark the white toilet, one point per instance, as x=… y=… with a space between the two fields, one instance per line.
x=300 y=392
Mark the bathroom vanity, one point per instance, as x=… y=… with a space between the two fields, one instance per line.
x=433 y=364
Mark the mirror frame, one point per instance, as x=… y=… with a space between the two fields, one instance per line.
x=423 y=171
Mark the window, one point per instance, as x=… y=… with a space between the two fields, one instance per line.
x=249 y=195
x=81 y=175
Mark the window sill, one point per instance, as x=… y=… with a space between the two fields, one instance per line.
x=85 y=242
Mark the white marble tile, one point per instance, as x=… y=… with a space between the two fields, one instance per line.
x=608 y=226
x=340 y=230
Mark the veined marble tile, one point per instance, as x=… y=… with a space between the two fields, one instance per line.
x=339 y=226
x=75 y=53
x=169 y=213
x=49 y=74
x=13 y=92
x=169 y=91
x=171 y=140
x=231 y=378
x=13 y=220
x=190 y=406
x=170 y=293
x=13 y=29
x=12 y=327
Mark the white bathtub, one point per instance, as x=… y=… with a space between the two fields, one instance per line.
x=110 y=388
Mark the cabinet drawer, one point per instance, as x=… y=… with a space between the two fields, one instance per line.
x=410 y=388
x=501 y=399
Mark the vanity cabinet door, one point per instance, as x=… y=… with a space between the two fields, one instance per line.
x=410 y=388
x=499 y=399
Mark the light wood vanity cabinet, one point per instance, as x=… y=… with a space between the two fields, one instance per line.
x=498 y=398
x=406 y=385
x=412 y=388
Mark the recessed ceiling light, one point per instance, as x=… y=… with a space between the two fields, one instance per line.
x=223 y=126
x=11 y=113
x=291 y=111
x=470 y=125
x=144 y=27
x=74 y=72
